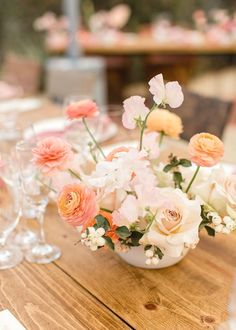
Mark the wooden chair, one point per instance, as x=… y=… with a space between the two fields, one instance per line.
x=203 y=114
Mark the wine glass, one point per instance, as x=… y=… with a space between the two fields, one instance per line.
x=35 y=190
x=10 y=212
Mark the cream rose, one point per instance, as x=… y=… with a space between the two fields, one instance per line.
x=176 y=223
x=219 y=192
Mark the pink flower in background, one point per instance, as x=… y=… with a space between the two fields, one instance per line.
x=47 y=21
x=82 y=109
x=150 y=144
x=77 y=204
x=171 y=93
x=135 y=109
x=118 y=16
x=205 y=149
x=52 y=154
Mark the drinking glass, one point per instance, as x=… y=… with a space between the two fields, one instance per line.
x=35 y=191
x=10 y=211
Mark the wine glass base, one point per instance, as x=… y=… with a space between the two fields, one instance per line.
x=43 y=254
x=25 y=239
x=10 y=257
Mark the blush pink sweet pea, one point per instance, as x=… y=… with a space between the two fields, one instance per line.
x=171 y=93
x=82 y=109
x=135 y=109
x=52 y=154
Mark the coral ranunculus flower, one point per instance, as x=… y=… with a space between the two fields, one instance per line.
x=82 y=109
x=165 y=121
x=77 y=204
x=205 y=149
x=52 y=154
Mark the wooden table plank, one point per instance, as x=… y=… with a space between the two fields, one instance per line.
x=193 y=294
x=43 y=297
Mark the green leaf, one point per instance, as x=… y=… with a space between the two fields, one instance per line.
x=102 y=222
x=123 y=232
x=167 y=168
x=109 y=242
x=210 y=231
x=178 y=179
x=185 y=162
x=135 y=237
x=147 y=247
x=159 y=252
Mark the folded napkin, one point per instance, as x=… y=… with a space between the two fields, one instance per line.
x=9 y=322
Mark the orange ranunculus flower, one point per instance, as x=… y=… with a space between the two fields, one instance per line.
x=205 y=149
x=77 y=204
x=165 y=121
x=111 y=232
x=82 y=109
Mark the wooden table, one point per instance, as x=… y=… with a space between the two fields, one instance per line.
x=148 y=46
x=86 y=290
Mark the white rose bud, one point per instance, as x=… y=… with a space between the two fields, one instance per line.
x=149 y=253
x=148 y=261
x=100 y=231
x=100 y=241
x=93 y=247
x=83 y=235
x=155 y=260
x=227 y=220
x=219 y=228
x=216 y=219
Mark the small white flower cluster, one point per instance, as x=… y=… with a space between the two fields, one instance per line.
x=224 y=226
x=93 y=238
x=151 y=258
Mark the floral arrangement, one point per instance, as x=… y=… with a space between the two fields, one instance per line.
x=129 y=198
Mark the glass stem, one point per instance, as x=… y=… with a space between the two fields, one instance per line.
x=40 y=218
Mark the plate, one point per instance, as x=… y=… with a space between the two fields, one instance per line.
x=20 y=105
x=56 y=127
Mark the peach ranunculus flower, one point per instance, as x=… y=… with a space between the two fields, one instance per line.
x=165 y=121
x=52 y=154
x=77 y=204
x=170 y=93
x=205 y=149
x=82 y=109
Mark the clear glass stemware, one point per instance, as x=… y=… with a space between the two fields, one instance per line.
x=10 y=212
x=35 y=191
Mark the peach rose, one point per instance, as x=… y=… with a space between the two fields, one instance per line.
x=114 y=152
x=205 y=149
x=82 y=109
x=52 y=154
x=165 y=121
x=77 y=204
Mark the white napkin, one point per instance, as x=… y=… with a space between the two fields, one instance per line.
x=9 y=322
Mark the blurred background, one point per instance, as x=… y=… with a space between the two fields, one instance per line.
x=110 y=49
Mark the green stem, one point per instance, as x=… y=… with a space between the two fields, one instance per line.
x=144 y=126
x=193 y=178
x=162 y=134
x=92 y=137
x=106 y=210
x=76 y=175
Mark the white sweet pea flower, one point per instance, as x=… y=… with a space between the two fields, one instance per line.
x=135 y=109
x=171 y=93
x=176 y=224
x=128 y=213
x=150 y=144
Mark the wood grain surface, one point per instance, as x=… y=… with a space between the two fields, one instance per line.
x=87 y=290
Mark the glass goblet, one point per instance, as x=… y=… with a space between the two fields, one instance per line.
x=10 y=255
x=35 y=191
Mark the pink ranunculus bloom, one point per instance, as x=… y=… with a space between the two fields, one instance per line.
x=205 y=149
x=171 y=93
x=135 y=109
x=52 y=154
x=82 y=109
x=77 y=204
